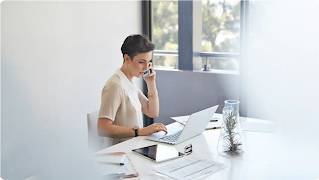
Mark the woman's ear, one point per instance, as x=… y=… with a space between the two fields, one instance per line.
x=126 y=58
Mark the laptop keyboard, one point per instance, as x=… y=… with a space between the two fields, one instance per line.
x=172 y=138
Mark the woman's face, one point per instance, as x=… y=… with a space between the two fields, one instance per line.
x=139 y=64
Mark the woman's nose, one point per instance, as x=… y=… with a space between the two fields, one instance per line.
x=145 y=67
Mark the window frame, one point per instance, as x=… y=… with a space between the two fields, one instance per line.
x=186 y=52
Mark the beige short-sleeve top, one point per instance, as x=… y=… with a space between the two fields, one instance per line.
x=122 y=102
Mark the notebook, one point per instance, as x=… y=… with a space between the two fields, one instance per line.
x=109 y=164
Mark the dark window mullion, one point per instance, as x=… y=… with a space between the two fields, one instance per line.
x=185 y=35
x=147 y=30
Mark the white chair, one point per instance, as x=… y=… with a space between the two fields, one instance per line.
x=95 y=142
x=34 y=177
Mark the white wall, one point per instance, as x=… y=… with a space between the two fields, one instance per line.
x=56 y=57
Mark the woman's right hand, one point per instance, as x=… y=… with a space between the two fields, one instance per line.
x=153 y=128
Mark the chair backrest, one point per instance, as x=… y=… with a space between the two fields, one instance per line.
x=95 y=142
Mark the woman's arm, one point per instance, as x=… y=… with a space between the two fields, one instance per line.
x=107 y=128
x=152 y=108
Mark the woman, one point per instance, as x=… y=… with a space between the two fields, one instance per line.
x=120 y=115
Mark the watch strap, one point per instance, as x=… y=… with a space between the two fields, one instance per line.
x=136 y=133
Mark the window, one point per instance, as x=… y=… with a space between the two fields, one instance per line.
x=221 y=26
x=165 y=34
x=220 y=29
x=221 y=33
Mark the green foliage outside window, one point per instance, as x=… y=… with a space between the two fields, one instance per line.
x=220 y=31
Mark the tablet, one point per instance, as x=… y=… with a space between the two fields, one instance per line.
x=158 y=152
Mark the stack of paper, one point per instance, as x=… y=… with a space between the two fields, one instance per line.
x=248 y=124
x=189 y=167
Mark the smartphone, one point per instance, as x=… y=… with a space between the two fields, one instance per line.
x=146 y=73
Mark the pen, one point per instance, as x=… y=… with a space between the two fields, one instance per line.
x=213 y=120
x=212 y=128
x=122 y=164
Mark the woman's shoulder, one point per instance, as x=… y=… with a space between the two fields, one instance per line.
x=113 y=79
x=113 y=83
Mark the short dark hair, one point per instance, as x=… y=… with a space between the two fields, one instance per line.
x=135 y=44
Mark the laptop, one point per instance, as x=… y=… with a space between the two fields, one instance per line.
x=195 y=125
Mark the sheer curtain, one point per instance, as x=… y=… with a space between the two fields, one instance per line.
x=281 y=76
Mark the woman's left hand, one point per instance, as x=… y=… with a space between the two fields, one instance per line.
x=150 y=78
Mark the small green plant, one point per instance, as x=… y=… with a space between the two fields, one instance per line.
x=232 y=144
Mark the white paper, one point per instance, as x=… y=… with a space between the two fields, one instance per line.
x=248 y=124
x=153 y=176
x=183 y=120
x=258 y=125
x=189 y=167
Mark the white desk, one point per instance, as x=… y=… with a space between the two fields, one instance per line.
x=263 y=159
